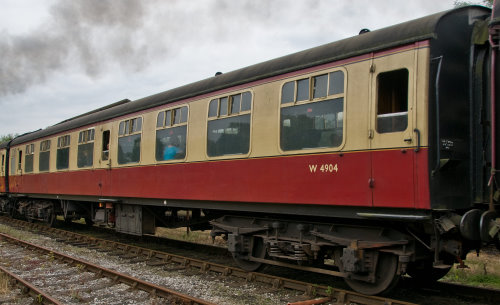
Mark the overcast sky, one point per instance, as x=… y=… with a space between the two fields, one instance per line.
x=62 y=58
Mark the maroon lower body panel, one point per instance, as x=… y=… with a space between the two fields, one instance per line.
x=388 y=178
x=2 y=184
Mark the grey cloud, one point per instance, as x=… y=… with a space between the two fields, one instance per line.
x=122 y=36
x=90 y=33
x=96 y=35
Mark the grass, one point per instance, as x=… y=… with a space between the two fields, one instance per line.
x=482 y=271
x=14 y=233
x=4 y=284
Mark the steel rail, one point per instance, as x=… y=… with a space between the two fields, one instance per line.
x=153 y=289
x=39 y=295
x=154 y=257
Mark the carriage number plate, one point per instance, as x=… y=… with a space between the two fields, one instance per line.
x=323 y=168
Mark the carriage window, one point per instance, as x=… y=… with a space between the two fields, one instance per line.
x=62 y=154
x=320 y=84
x=28 y=158
x=44 y=156
x=303 y=89
x=213 y=108
x=317 y=121
x=336 y=85
x=246 y=101
x=392 y=101
x=129 y=141
x=20 y=160
x=105 y=145
x=228 y=131
x=235 y=104
x=223 y=106
x=171 y=134
x=3 y=163
x=288 y=93
x=86 y=148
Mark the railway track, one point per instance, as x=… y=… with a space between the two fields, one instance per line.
x=407 y=290
x=37 y=295
x=60 y=278
x=156 y=258
x=418 y=291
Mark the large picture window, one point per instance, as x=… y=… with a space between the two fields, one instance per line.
x=312 y=112
x=228 y=131
x=171 y=131
x=44 y=156
x=86 y=148
x=129 y=141
x=62 y=155
x=28 y=158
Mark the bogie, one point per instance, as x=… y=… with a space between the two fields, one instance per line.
x=370 y=258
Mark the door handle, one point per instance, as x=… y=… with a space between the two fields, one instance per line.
x=418 y=139
x=409 y=140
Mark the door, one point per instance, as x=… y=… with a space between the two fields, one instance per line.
x=105 y=162
x=13 y=171
x=391 y=133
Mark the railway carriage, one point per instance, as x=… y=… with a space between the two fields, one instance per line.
x=366 y=158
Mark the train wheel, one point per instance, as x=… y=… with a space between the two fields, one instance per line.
x=259 y=251
x=51 y=218
x=386 y=276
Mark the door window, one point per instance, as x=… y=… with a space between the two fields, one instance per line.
x=105 y=145
x=392 y=101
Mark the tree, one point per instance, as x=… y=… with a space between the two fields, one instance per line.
x=7 y=137
x=488 y=3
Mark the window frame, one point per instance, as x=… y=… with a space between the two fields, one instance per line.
x=313 y=100
x=45 y=147
x=105 y=144
x=394 y=114
x=130 y=132
x=20 y=161
x=63 y=142
x=29 y=150
x=172 y=125
x=83 y=139
x=229 y=114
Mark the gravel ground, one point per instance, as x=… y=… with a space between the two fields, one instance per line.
x=208 y=286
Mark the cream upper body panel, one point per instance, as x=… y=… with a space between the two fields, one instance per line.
x=265 y=116
x=356 y=110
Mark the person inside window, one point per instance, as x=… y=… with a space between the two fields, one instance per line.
x=105 y=153
x=171 y=150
